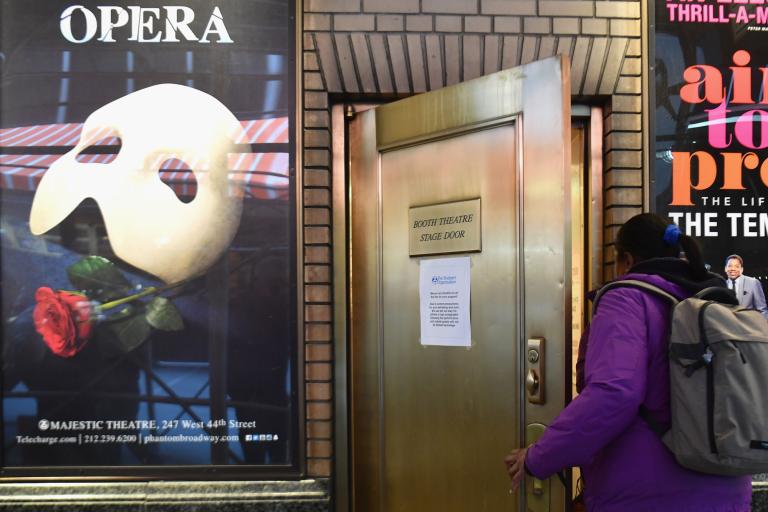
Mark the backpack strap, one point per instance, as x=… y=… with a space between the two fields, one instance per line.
x=633 y=283
x=718 y=294
x=643 y=412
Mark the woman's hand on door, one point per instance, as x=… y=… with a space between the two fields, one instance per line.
x=515 y=463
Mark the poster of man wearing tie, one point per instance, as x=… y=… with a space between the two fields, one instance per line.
x=709 y=133
x=748 y=290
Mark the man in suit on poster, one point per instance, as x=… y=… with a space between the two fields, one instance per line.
x=748 y=290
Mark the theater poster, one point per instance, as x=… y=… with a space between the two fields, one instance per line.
x=710 y=126
x=148 y=237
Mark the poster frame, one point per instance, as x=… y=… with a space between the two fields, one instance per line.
x=296 y=468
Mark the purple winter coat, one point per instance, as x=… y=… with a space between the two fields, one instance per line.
x=626 y=467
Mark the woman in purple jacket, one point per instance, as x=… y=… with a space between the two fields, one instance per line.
x=625 y=466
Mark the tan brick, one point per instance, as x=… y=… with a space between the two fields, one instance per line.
x=629 y=28
x=310 y=62
x=449 y=6
x=623 y=122
x=434 y=60
x=566 y=8
x=316 y=119
x=635 y=48
x=317 y=197
x=609 y=237
x=319 y=411
x=632 y=66
x=316 y=178
x=317 y=157
x=537 y=25
x=399 y=6
x=354 y=22
x=625 y=159
x=452 y=59
x=602 y=72
x=564 y=45
x=565 y=26
x=318 y=313
x=477 y=24
x=318 y=448
x=309 y=42
x=317 y=293
x=617 y=9
x=510 y=56
x=362 y=55
x=418 y=23
x=327 y=54
x=319 y=429
x=624 y=196
x=626 y=103
x=360 y=49
x=317 y=332
x=547 y=46
x=331 y=5
x=315 y=100
x=317 y=254
x=472 y=58
x=507 y=24
x=397 y=60
x=317 y=235
x=624 y=140
x=629 y=85
x=318 y=372
x=316 y=216
x=448 y=23
x=313 y=81
x=318 y=391
x=320 y=468
x=617 y=215
x=415 y=56
x=317 y=274
x=389 y=23
x=516 y=7
x=594 y=26
x=528 y=53
x=320 y=138
x=314 y=352
x=316 y=22
x=492 y=54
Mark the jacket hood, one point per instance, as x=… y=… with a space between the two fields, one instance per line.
x=673 y=275
x=675 y=271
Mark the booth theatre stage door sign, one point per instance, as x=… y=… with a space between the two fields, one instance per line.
x=445 y=228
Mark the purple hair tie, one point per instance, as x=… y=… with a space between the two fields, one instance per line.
x=672 y=235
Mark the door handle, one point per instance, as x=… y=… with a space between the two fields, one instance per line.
x=534 y=363
x=537 y=492
x=532 y=382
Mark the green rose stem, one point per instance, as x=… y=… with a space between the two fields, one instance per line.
x=152 y=290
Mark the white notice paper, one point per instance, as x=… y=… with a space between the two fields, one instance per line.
x=444 y=286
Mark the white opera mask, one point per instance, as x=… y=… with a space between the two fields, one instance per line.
x=147 y=224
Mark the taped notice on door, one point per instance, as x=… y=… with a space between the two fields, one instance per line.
x=444 y=287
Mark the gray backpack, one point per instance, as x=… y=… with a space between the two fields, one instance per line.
x=718 y=369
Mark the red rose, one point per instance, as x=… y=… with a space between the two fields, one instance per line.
x=63 y=319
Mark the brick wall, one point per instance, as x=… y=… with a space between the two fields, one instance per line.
x=318 y=350
x=369 y=49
